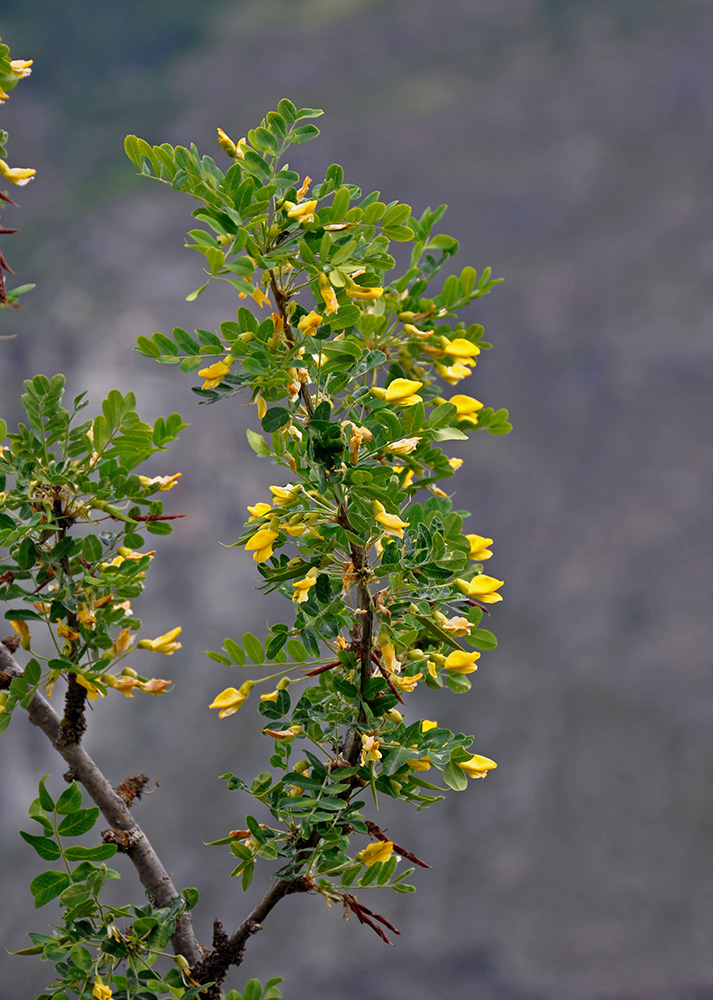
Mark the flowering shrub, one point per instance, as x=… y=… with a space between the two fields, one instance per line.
x=345 y=367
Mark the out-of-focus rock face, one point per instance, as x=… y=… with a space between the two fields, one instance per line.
x=573 y=142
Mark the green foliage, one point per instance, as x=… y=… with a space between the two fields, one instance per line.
x=346 y=370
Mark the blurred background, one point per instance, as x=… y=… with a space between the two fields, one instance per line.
x=573 y=140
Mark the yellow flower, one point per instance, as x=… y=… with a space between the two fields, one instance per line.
x=466 y=407
x=369 y=748
x=285 y=494
x=91 y=689
x=422 y=764
x=460 y=662
x=87 y=618
x=230 y=700
x=479 y=547
x=260 y=297
x=23 y=630
x=302 y=587
x=100 y=991
x=404 y=446
x=153 y=686
x=3 y=96
x=427 y=724
x=456 y=626
x=461 y=348
x=477 y=766
x=455 y=463
x=261 y=544
x=305 y=187
x=64 y=631
x=21 y=67
x=163 y=644
x=391 y=523
x=302 y=213
x=403 y=392
x=453 y=373
x=123 y=684
x=357 y=292
x=483 y=588
x=226 y=143
x=309 y=323
x=406 y=684
x=16 y=175
x=328 y=295
x=259 y=510
x=164 y=483
x=122 y=642
x=380 y=851
x=215 y=373
x=388 y=658
x=270 y=696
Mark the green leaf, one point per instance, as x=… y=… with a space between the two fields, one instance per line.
x=78 y=822
x=304 y=133
x=455 y=777
x=191 y=897
x=100 y=853
x=48 y=886
x=70 y=800
x=46 y=800
x=47 y=848
x=482 y=639
x=287 y=109
x=253 y=647
x=253 y=990
x=234 y=651
x=258 y=443
x=296 y=650
x=275 y=418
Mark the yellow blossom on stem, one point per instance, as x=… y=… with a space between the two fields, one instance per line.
x=369 y=748
x=91 y=689
x=427 y=724
x=479 y=547
x=304 y=188
x=226 y=143
x=21 y=67
x=483 y=588
x=230 y=700
x=303 y=213
x=261 y=544
x=164 y=643
x=153 y=686
x=406 y=684
x=309 y=323
x=164 y=483
x=100 y=991
x=461 y=348
x=466 y=407
x=453 y=373
x=421 y=764
x=16 y=175
x=388 y=658
x=391 y=523
x=359 y=292
x=457 y=626
x=285 y=495
x=302 y=587
x=215 y=373
x=64 y=631
x=123 y=684
x=122 y=642
x=455 y=463
x=23 y=630
x=328 y=294
x=402 y=391
x=404 y=446
x=259 y=510
x=460 y=662
x=477 y=766
x=87 y=618
x=380 y=851
x=260 y=297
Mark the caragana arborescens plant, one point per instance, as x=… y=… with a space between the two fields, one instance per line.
x=352 y=374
